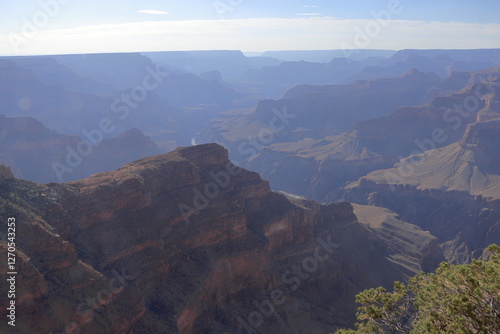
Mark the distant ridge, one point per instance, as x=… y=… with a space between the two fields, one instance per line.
x=324 y=56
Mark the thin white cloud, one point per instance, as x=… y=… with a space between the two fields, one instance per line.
x=309 y=14
x=152 y=12
x=257 y=34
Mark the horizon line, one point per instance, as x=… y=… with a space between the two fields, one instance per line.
x=238 y=50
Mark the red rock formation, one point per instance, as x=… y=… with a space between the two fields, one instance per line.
x=215 y=273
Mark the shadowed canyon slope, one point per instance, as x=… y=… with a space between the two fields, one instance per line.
x=321 y=165
x=441 y=62
x=320 y=111
x=188 y=242
x=453 y=191
x=168 y=106
x=450 y=192
x=38 y=154
x=113 y=253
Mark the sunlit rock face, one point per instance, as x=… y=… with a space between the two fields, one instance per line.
x=122 y=252
x=452 y=191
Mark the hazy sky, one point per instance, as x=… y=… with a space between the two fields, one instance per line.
x=85 y=26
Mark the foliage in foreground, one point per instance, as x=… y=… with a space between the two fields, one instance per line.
x=456 y=299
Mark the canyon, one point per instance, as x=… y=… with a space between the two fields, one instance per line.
x=310 y=177
x=112 y=253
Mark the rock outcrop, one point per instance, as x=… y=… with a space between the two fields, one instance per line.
x=186 y=242
x=320 y=111
x=453 y=191
x=321 y=162
x=318 y=167
x=403 y=242
x=5 y=173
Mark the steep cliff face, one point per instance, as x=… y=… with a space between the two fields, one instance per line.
x=187 y=243
x=318 y=167
x=403 y=242
x=54 y=290
x=321 y=161
x=320 y=111
x=436 y=124
x=454 y=191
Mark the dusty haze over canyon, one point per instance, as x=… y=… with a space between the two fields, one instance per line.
x=244 y=166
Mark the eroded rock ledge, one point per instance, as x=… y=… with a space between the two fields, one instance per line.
x=113 y=253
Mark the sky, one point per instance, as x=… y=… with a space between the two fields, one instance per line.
x=91 y=26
